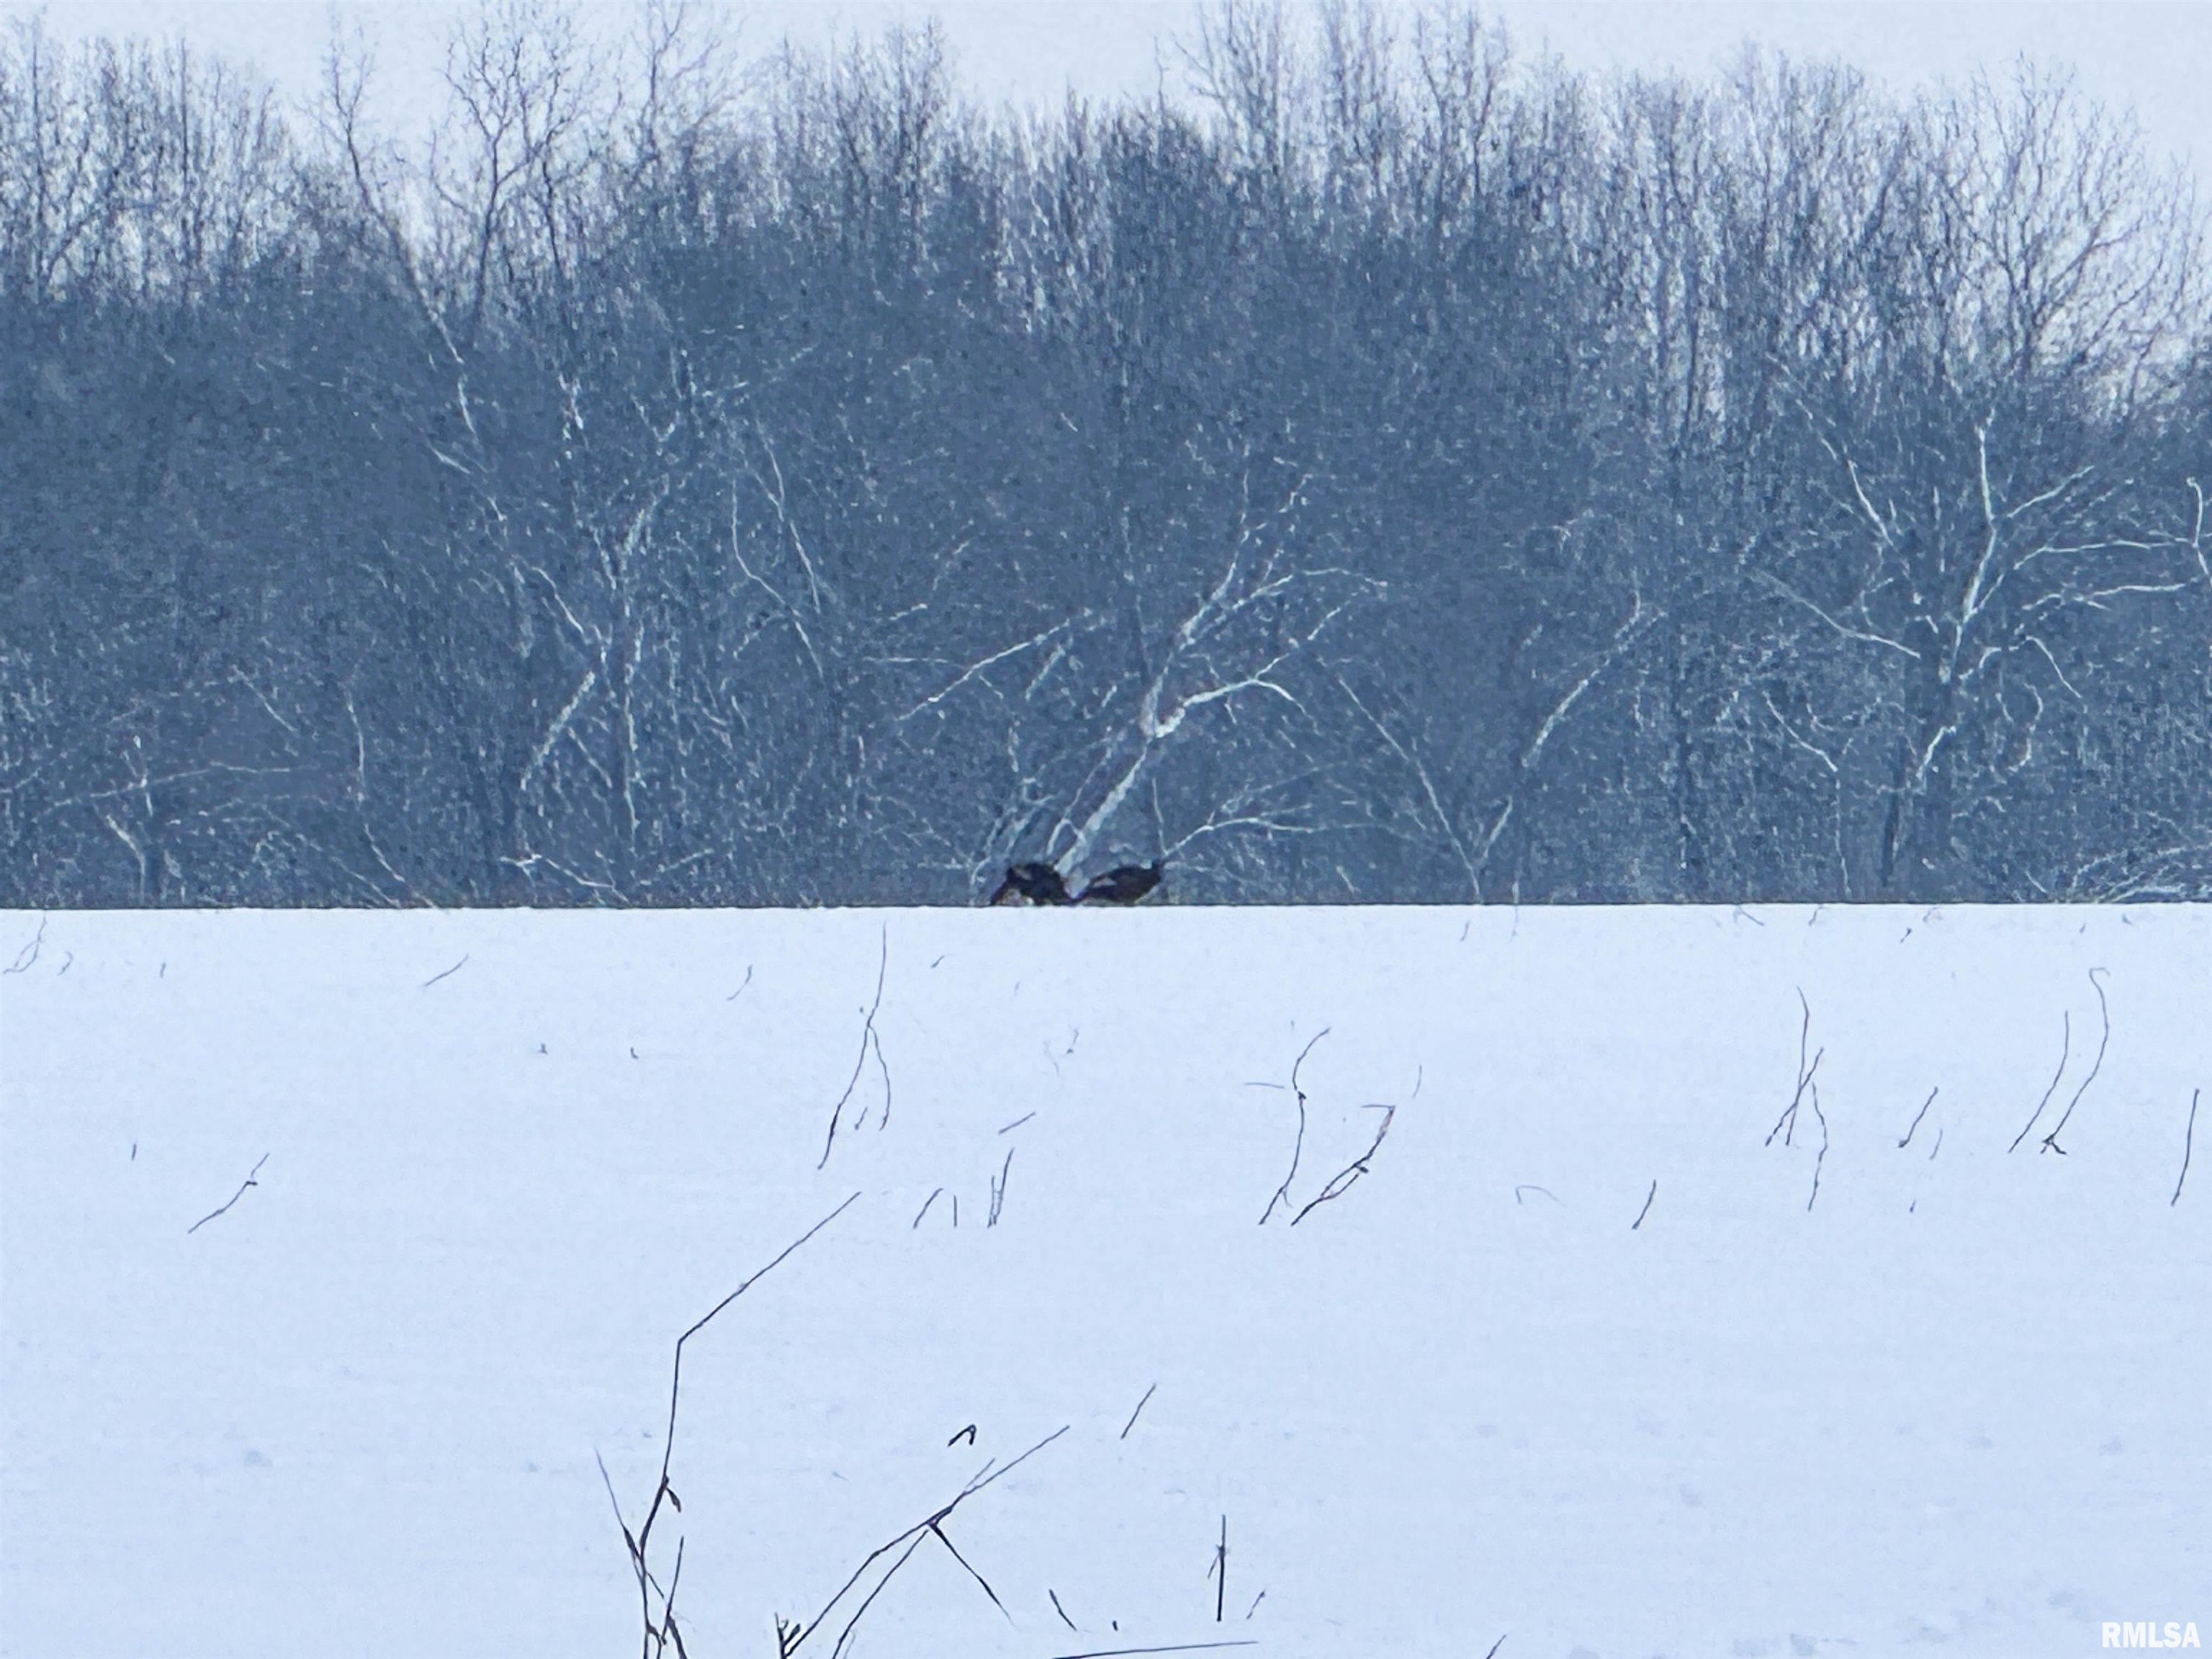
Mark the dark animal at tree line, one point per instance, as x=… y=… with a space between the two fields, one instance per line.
x=1042 y=884
x=1039 y=884
x=1124 y=885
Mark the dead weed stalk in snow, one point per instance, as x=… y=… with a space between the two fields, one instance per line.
x=2188 y=1145
x=871 y=1043
x=1342 y=1182
x=251 y=1180
x=2065 y=1054
x=662 y=1633
x=1807 y=1093
x=791 y=1635
x=2049 y=1143
x=1282 y=1194
x=851 y=1601
x=656 y=1602
x=2105 y=1010
x=1786 y=1125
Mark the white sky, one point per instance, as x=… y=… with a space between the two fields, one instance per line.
x=2153 y=55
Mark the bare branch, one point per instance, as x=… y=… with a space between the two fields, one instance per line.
x=2188 y=1145
x=1786 y=1125
x=1914 y=1126
x=2065 y=1050
x=868 y=1045
x=2051 y=1141
x=986 y=662
x=1139 y=1411
x=1343 y=1181
x=793 y=1635
x=234 y=1197
x=29 y=953
x=1282 y=1194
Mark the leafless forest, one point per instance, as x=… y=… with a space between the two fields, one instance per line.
x=1382 y=466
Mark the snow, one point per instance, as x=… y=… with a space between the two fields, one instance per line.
x=1956 y=1402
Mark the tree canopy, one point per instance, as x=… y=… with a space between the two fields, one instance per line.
x=1396 y=471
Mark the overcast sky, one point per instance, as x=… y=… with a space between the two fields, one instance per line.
x=2153 y=55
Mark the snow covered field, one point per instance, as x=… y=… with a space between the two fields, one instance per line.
x=1954 y=1399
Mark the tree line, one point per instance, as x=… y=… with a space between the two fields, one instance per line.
x=1379 y=468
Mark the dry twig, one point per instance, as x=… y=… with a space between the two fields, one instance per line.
x=2065 y=1052
x=1786 y=1125
x=870 y=1043
x=234 y=1197
x=1139 y=1411
x=1821 y=1157
x=1282 y=1194
x=1219 y=1571
x=2051 y=1141
x=1914 y=1126
x=29 y=953
x=792 y=1635
x=1342 y=1180
x=2188 y=1142
x=662 y=1633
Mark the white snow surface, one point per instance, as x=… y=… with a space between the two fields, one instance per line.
x=1957 y=1402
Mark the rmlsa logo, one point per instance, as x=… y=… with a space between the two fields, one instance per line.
x=2169 y=1635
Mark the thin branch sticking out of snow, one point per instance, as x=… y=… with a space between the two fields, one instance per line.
x=1282 y=1194
x=2051 y=1141
x=660 y=1634
x=2065 y=1052
x=1915 y=1126
x=249 y=1182
x=870 y=1043
x=1343 y=1180
x=1786 y=1125
x=1154 y=1389
x=2188 y=1143
x=792 y=1635
x=29 y=953
x=1821 y=1158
